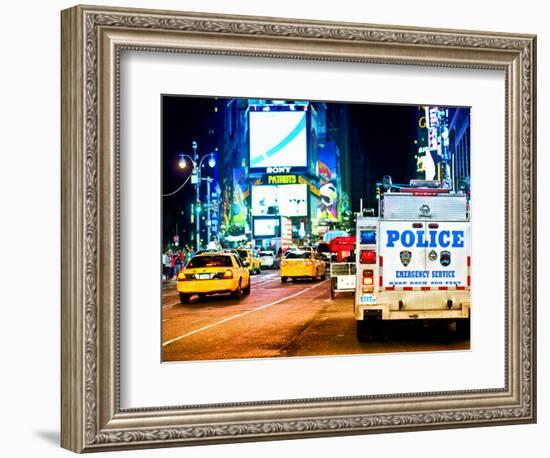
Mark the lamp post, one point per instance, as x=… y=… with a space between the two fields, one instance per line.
x=208 y=210
x=196 y=181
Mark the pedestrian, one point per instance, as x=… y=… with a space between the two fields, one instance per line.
x=172 y=265
x=183 y=263
x=177 y=262
x=166 y=265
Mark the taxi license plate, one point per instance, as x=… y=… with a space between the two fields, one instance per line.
x=204 y=276
x=367 y=299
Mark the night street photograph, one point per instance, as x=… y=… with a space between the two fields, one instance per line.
x=313 y=228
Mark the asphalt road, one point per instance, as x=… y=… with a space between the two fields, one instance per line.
x=276 y=320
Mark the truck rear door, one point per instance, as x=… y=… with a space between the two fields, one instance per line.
x=402 y=262
x=448 y=257
x=424 y=255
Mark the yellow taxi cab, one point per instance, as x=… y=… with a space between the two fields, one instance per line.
x=302 y=264
x=251 y=262
x=213 y=273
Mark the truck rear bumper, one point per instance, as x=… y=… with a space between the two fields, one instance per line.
x=385 y=312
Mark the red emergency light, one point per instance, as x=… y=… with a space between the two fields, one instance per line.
x=368 y=257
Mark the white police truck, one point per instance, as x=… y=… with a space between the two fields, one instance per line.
x=413 y=260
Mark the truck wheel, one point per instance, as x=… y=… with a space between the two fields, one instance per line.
x=463 y=328
x=371 y=329
x=184 y=298
x=284 y=279
x=362 y=331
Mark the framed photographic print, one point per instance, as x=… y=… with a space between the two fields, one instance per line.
x=282 y=244
x=278 y=228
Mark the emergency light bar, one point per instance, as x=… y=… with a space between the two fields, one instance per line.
x=424 y=184
x=424 y=191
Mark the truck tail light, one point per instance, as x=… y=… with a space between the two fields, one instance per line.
x=368 y=277
x=227 y=274
x=368 y=237
x=368 y=257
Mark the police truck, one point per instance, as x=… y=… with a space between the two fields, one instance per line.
x=413 y=260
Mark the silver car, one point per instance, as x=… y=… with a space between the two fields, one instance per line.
x=268 y=259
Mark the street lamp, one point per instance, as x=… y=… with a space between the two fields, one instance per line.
x=196 y=180
x=209 y=180
x=182 y=162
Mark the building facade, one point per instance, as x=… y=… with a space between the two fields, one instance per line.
x=282 y=164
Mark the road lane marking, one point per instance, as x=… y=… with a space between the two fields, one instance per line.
x=233 y=317
x=170 y=304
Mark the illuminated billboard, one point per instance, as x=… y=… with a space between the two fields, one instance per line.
x=266 y=227
x=286 y=200
x=278 y=139
x=327 y=209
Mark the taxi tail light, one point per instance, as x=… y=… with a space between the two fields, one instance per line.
x=368 y=277
x=308 y=263
x=228 y=274
x=185 y=277
x=368 y=257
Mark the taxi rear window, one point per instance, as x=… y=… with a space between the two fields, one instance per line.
x=210 y=261
x=243 y=253
x=298 y=255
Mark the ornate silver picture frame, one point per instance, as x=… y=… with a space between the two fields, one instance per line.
x=93 y=39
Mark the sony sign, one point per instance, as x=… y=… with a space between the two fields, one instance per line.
x=278 y=169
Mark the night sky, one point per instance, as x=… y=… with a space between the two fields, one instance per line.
x=184 y=120
x=386 y=134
